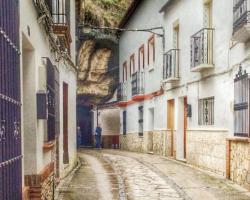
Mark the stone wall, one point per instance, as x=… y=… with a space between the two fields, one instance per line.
x=48 y=188
x=240 y=163
x=134 y=142
x=159 y=140
x=170 y=143
x=206 y=149
x=150 y=142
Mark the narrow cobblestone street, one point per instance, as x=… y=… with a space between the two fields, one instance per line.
x=109 y=174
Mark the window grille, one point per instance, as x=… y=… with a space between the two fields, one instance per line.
x=206 y=111
x=241 y=104
x=124 y=121
x=52 y=100
x=140 y=120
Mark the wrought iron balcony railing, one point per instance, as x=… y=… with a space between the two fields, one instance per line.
x=202 y=48
x=137 y=83
x=241 y=14
x=171 y=64
x=60 y=19
x=121 y=92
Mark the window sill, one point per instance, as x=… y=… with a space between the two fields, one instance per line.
x=207 y=129
x=239 y=139
x=48 y=146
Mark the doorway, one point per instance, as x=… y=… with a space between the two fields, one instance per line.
x=65 y=124
x=170 y=124
x=85 y=117
x=181 y=129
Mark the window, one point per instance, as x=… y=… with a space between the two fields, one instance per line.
x=124 y=122
x=132 y=64
x=141 y=58
x=151 y=51
x=207 y=18
x=125 y=72
x=241 y=104
x=206 y=111
x=52 y=100
x=140 y=120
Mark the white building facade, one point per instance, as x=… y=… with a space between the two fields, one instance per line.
x=49 y=81
x=189 y=105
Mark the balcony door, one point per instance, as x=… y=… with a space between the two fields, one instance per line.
x=181 y=129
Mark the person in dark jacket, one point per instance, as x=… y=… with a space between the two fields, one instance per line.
x=98 y=136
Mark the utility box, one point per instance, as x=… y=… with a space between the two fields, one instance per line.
x=41 y=102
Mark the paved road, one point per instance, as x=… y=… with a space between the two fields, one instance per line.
x=120 y=175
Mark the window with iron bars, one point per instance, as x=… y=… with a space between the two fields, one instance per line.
x=140 y=120
x=241 y=104
x=124 y=122
x=52 y=100
x=206 y=111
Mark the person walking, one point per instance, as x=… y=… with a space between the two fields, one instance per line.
x=98 y=135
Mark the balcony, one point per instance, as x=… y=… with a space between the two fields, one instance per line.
x=121 y=92
x=241 y=21
x=61 y=28
x=138 y=86
x=171 y=66
x=59 y=11
x=202 y=50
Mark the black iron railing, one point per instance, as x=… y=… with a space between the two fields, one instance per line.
x=121 y=92
x=60 y=19
x=202 y=47
x=10 y=103
x=59 y=10
x=241 y=14
x=171 y=64
x=241 y=104
x=137 y=83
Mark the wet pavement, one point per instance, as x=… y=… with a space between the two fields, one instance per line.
x=120 y=175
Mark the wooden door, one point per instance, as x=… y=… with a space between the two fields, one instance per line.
x=65 y=124
x=185 y=126
x=170 y=124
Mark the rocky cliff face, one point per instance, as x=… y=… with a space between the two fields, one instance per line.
x=98 y=51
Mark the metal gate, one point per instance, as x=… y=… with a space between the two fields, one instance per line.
x=10 y=106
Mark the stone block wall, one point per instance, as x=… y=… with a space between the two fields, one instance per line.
x=159 y=141
x=207 y=150
x=153 y=141
x=170 y=143
x=48 y=188
x=240 y=163
x=134 y=142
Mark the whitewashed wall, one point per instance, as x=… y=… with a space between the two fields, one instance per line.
x=146 y=16
x=38 y=43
